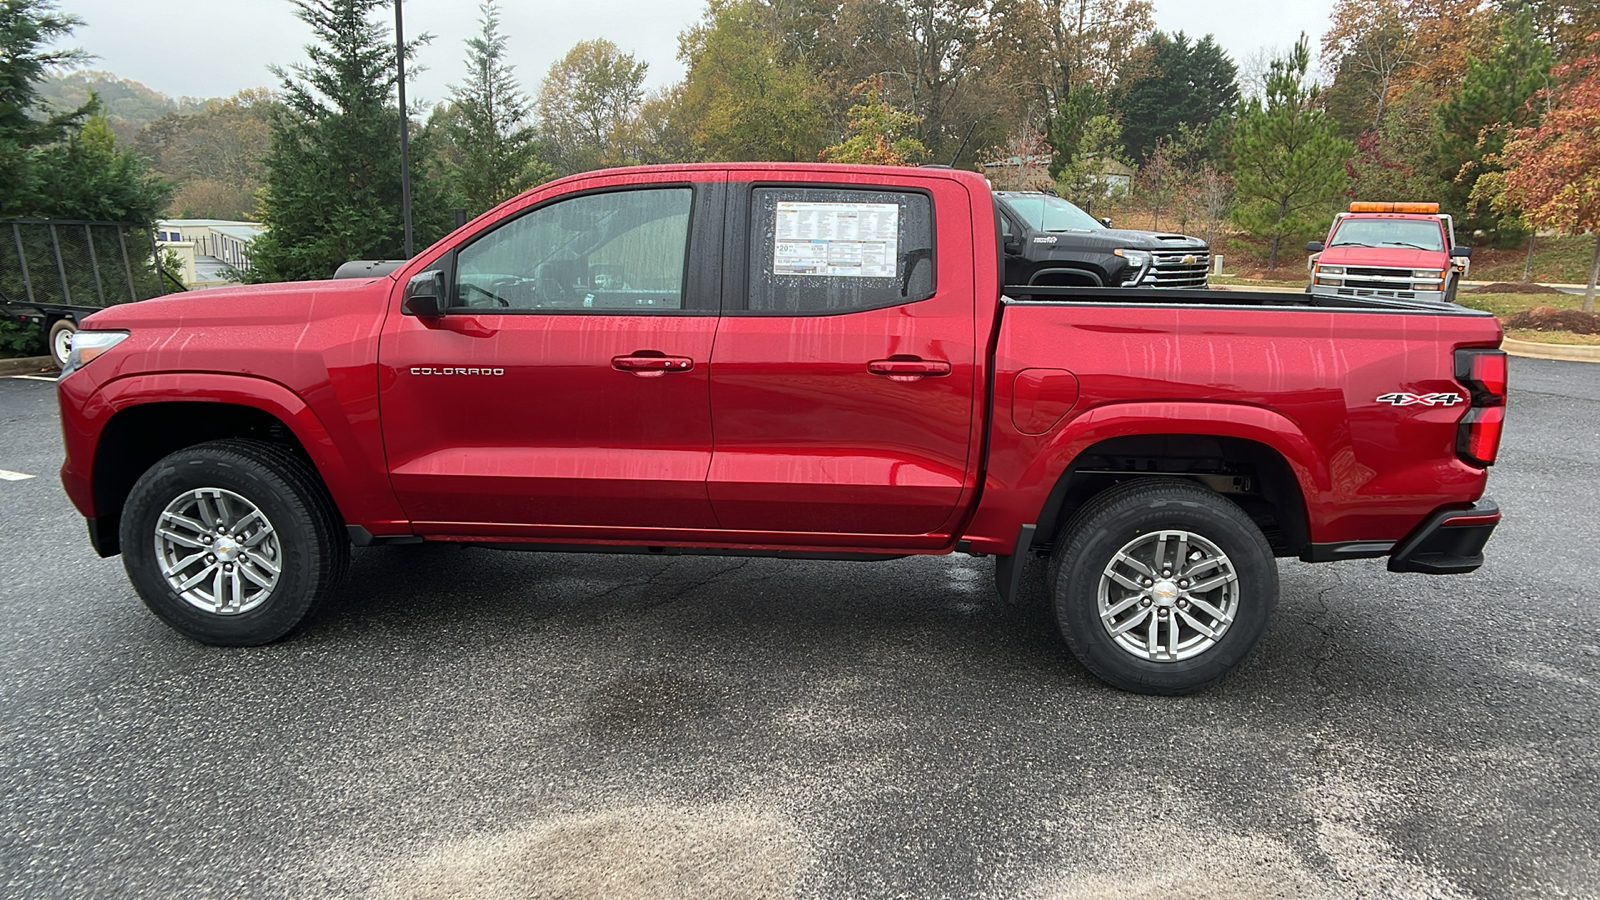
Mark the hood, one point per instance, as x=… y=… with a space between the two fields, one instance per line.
x=1389 y=257
x=259 y=304
x=1126 y=238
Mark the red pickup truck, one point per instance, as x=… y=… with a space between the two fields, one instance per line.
x=782 y=360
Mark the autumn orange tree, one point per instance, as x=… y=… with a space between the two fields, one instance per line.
x=1552 y=171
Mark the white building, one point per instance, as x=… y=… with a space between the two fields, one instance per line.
x=211 y=250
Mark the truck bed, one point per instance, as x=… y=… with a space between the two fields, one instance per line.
x=1215 y=297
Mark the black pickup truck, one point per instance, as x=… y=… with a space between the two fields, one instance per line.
x=1049 y=241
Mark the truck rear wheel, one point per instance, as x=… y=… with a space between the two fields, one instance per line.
x=61 y=340
x=232 y=542
x=1162 y=587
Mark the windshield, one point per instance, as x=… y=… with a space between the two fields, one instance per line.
x=1417 y=234
x=1046 y=213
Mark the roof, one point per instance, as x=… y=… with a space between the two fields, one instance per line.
x=211 y=223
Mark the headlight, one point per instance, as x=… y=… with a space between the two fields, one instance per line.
x=1330 y=270
x=88 y=345
x=1136 y=258
x=1426 y=273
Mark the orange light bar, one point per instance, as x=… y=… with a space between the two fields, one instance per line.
x=1428 y=209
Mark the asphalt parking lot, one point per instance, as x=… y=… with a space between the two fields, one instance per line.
x=468 y=723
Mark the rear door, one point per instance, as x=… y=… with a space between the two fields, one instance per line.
x=567 y=387
x=844 y=372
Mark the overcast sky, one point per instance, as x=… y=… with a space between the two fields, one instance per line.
x=217 y=49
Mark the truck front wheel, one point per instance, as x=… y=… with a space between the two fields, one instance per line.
x=1162 y=587
x=232 y=542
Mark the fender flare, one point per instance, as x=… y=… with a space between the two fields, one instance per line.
x=250 y=391
x=1184 y=417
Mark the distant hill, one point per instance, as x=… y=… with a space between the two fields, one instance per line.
x=129 y=105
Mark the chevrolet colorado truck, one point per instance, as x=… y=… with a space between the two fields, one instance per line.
x=1050 y=241
x=784 y=360
x=1396 y=251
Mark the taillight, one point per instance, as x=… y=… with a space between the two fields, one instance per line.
x=1478 y=435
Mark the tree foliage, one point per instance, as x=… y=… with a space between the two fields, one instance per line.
x=1174 y=83
x=1551 y=172
x=495 y=152
x=746 y=100
x=333 y=166
x=215 y=154
x=61 y=163
x=1289 y=164
x=1493 y=98
x=587 y=98
x=1085 y=179
x=879 y=134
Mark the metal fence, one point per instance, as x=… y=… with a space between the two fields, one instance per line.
x=59 y=262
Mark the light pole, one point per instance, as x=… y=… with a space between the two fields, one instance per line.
x=405 y=141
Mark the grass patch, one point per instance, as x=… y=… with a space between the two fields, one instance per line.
x=1504 y=305
x=1556 y=260
x=1553 y=337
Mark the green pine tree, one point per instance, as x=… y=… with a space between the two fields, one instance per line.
x=1181 y=84
x=1474 y=122
x=61 y=164
x=333 y=167
x=496 y=151
x=1289 y=162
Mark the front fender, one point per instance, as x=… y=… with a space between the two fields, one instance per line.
x=359 y=485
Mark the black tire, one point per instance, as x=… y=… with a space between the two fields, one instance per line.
x=1135 y=512
x=312 y=547
x=62 y=330
x=1450 y=289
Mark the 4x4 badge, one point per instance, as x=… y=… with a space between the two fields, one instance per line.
x=1405 y=399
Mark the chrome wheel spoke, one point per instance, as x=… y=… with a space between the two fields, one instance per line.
x=198 y=577
x=1210 y=610
x=181 y=540
x=1199 y=626
x=1211 y=584
x=1130 y=622
x=218 y=551
x=247 y=567
x=1134 y=564
x=1120 y=608
x=1124 y=580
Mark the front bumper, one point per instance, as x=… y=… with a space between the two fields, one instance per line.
x=1449 y=542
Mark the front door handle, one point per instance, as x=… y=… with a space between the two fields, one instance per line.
x=908 y=368
x=647 y=364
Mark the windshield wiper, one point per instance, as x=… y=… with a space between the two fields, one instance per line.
x=1404 y=244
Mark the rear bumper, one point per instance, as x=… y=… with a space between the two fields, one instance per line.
x=1449 y=542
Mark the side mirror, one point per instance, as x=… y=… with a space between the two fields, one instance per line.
x=1013 y=244
x=425 y=295
x=1106 y=221
x=1314 y=247
x=1461 y=252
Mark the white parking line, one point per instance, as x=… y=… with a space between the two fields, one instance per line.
x=8 y=475
x=35 y=377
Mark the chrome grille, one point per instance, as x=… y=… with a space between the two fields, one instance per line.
x=1178 y=268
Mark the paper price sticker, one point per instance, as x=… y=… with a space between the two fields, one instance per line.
x=839 y=240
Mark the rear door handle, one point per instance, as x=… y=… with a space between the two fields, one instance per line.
x=649 y=365
x=908 y=368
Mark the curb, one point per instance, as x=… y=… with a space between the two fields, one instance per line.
x=26 y=365
x=1539 y=350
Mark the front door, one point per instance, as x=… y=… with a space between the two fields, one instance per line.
x=843 y=378
x=566 y=388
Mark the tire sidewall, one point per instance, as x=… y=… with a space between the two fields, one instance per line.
x=1077 y=583
x=61 y=325
x=291 y=597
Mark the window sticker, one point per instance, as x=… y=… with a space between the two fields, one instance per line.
x=849 y=240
